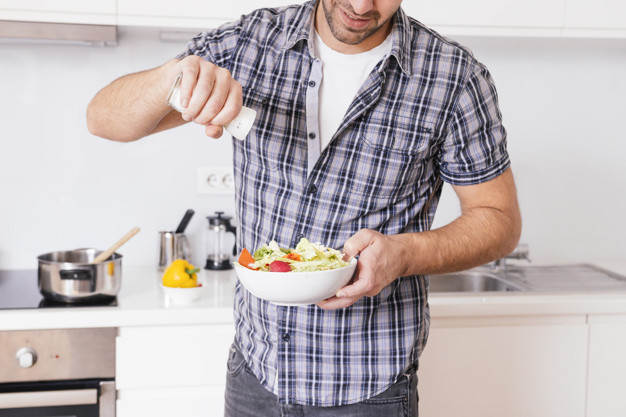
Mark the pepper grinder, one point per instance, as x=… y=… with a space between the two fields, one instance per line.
x=218 y=257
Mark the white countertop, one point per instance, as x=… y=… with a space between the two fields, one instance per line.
x=141 y=302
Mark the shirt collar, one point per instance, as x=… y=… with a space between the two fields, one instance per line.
x=401 y=33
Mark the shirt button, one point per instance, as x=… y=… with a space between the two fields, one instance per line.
x=300 y=236
x=312 y=189
x=311 y=83
x=311 y=135
x=286 y=337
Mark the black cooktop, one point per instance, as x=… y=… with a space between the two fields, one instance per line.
x=19 y=289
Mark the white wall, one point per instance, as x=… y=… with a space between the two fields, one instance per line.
x=62 y=188
x=563 y=103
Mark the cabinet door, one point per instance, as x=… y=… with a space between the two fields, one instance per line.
x=172 y=356
x=187 y=13
x=607 y=366
x=596 y=14
x=184 y=402
x=490 y=15
x=525 y=368
x=60 y=11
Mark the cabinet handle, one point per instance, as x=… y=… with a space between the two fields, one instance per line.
x=48 y=398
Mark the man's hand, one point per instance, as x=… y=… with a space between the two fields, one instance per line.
x=133 y=106
x=209 y=94
x=379 y=264
x=489 y=228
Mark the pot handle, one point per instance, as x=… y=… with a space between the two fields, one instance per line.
x=79 y=275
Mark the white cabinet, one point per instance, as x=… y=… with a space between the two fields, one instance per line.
x=509 y=366
x=102 y=12
x=589 y=18
x=549 y=18
x=187 y=13
x=607 y=366
x=163 y=371
x=490 y=17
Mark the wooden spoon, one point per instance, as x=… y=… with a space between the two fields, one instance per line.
x=105 y=255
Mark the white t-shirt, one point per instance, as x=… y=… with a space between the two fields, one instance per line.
x=342 y=77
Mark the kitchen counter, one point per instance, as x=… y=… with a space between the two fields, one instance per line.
x=141 y=302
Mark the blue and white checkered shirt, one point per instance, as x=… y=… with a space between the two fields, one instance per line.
x=427 y=113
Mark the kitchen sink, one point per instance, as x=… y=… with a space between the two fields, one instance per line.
x=536 y=279
x=565 y=278
x=471 y=281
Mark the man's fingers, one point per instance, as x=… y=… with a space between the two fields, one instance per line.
x=356 y=243
x=232 y=106
x=190 y=75
x=214 y=131
x=215 y=97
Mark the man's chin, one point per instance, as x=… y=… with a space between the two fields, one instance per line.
x=350 y=36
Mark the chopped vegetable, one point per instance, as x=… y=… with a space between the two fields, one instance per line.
x=305 y=257
x=294 y=256
x=247 y=260
x=280 y=266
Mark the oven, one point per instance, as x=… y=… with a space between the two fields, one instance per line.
x=57 y=373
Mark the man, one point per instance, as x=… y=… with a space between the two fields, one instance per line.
x=362 y=113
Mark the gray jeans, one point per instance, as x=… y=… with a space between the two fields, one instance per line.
x=246 y=397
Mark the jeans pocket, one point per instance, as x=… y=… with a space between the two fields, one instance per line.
x=400 y=399
x=236 y=361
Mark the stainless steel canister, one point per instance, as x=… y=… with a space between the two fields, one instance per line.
x=172 y=246
x=69 y=277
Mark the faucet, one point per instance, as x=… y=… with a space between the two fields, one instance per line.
x=520 y=252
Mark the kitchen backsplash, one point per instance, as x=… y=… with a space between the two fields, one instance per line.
x=63 y=188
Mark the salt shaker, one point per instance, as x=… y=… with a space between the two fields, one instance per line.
x=239 y=127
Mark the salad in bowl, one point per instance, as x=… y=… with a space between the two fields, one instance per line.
x=306 y=274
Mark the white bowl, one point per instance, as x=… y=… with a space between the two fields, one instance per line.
x=295 y=288
x=183 y=295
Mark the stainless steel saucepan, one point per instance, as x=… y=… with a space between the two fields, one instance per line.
x=71 y=277
x=82 y=275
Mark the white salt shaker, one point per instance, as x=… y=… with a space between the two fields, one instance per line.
x=239 y=127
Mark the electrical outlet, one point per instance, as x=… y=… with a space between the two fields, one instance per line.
x=216 y=180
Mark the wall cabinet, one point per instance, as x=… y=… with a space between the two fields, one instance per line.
x=187 y=13
x=588 y=18
x=99 y=12
x=163 y=371
x=514 y=367
x=551 y=18
x=607 y=366
x=490 y=17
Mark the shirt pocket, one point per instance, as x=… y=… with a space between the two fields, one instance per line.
x=390 y=159
x=269 y=144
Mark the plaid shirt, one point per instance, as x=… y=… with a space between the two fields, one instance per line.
x=427 y=113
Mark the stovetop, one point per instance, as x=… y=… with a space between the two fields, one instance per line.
x=19 y=290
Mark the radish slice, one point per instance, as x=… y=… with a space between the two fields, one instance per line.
x=280 y=266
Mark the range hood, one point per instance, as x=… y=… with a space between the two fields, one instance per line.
x=101 y=35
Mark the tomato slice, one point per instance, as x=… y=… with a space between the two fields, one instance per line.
x=245 y=259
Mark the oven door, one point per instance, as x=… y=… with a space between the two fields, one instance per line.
x=83 y=398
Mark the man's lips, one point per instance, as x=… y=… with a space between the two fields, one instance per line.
x=354 y=22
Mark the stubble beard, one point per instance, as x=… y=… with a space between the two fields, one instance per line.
x=346 y=34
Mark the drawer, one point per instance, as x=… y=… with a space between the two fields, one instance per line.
x=172 y=356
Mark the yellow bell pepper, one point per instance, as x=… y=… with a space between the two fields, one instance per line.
x=180 y=274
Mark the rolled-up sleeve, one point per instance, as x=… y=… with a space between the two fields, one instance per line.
x=475 y=149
